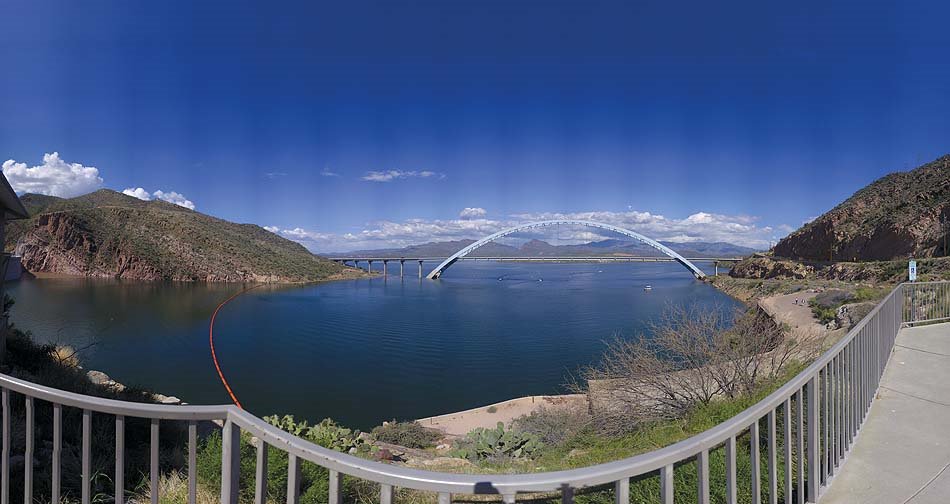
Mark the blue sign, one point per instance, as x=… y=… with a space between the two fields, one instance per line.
x=912 y=271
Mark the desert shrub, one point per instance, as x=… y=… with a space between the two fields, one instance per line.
x=832 y=298
x=327 y=433
x=553 y=426
x=498 y=443
x=408 y=434
x=691 y=358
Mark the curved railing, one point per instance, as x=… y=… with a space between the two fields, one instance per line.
x=821 y=412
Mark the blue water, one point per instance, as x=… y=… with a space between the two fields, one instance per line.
x=361 y=351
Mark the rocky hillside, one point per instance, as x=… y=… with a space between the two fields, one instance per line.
x=897 y=216
x=109 y=234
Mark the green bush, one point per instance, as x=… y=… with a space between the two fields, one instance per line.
x=553 y=426
x=327 y=433
x=408 y=434
x=482 y=443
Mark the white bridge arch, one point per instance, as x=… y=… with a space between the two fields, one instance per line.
x=437 y=272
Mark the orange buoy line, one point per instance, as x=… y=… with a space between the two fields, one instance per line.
x=214 y=356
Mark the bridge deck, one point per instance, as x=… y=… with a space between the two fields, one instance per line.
x=902 y=453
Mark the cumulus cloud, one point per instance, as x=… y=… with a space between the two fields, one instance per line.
x=170 y=196
x=54 y=177
x=390 y=175
x=699 y=226
x=469 y=213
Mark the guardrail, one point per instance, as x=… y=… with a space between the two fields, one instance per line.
x=820 y=412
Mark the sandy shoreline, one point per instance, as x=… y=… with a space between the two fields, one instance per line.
x=488 y=416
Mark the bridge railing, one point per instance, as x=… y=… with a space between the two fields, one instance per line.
x=795 y=439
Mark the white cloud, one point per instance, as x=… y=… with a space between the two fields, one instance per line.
x=171 y=196
x=390 y=175
x=54 y=177
x=327 y=173
x=700 y=226
x=274 y=175
x=472 y=213
x=137 y=192
x=272 y=229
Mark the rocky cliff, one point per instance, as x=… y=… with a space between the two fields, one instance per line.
x=109 y=234
x=897 y=216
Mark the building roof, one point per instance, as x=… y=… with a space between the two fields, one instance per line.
x=12 y=206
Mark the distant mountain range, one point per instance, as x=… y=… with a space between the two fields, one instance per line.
x=109 y=234
x=540 y=248
x=900 y=215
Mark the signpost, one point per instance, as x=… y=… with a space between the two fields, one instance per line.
x=912 y=271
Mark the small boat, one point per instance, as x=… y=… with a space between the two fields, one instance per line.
x=648 y=288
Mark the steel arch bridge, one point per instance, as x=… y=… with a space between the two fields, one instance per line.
x=437 y=272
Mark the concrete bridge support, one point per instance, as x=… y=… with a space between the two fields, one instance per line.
x=420 y=269
x=385 y=270
x=402 y=266
x=369 y=267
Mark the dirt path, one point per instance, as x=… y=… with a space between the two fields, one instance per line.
x=785 y=309
x=460 y=423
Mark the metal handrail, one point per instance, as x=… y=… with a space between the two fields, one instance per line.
x=841 y=383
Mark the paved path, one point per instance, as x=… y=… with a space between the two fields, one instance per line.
x=902 y=455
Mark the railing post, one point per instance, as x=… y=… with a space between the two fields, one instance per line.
x=666 y=484
x=814 y=457
x=230 y=462
x=731 y=494
x=336 y=486
x=702 y=476
x=119 y=459
x=622 y=491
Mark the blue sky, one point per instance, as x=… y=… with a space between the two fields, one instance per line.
x=368 y=124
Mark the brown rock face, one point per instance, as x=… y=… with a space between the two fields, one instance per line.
x=766 y=268
x=897 y=216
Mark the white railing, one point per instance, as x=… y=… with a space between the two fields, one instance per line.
x=802 y=432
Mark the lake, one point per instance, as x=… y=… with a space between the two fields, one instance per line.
x=361 y=351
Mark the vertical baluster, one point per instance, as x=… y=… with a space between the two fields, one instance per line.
x=260 y=477
x=731 y=478
x=800 y=439
x=86 y=456
x=119 y=459
x=666 y=484
x=28 y=455
x=841 y=402
x=386 y=493
x=824 y=383
x=702 y=476
x=5 y=451
x=293 y=479
x=622 y=491
x=231 y=462
x=756 y=462
x=814 y=456
x=153 y=460
x=192 y=462
x=57 y=452
x=787 y=436
x=833 y=416
x=336 y=485
x=773 y=467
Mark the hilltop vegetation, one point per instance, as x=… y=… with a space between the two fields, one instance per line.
x=109 y=234
x=897 y=216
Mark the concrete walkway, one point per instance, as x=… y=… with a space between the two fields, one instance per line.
x=902 y=455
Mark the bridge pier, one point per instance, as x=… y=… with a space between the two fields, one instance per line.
x=385 y=270
x=402 y=265
x=716 y=264
x=420 y=269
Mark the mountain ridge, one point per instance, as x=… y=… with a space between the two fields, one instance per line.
x=899 y=215
x=108 y=234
